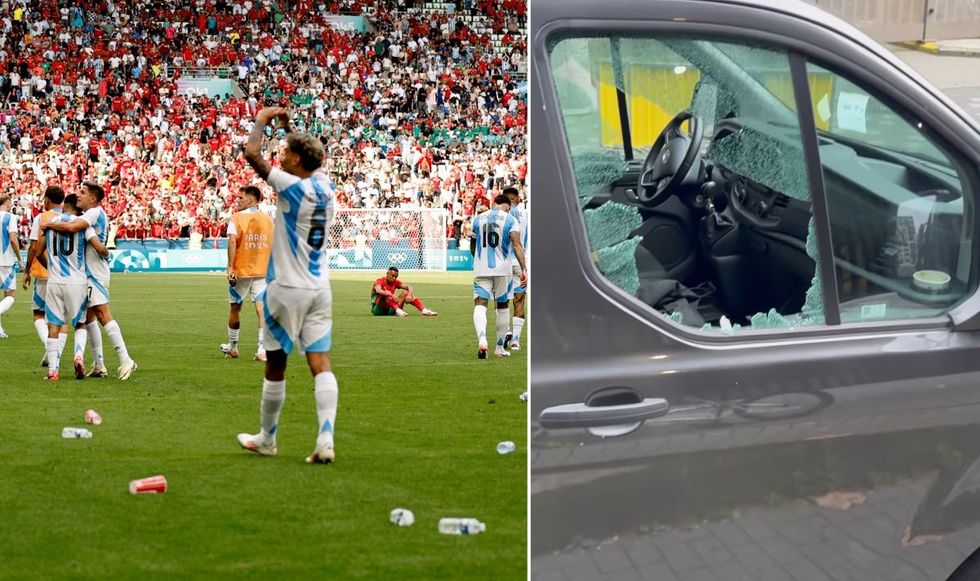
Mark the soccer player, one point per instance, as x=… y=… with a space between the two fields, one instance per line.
x=9 y=255
x=496 y=238
x=67 y=286
x=97 y=267
x=518 y=292
x=383 y=299
x=298 y=300
x=249 y=247
x=53 y=198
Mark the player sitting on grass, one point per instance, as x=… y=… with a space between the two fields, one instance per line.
x=298 y=301
x=383 y=299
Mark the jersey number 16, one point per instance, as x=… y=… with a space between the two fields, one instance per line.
x=489 y=237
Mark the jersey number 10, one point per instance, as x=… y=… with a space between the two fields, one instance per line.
x=489 y=236
x=64 y=244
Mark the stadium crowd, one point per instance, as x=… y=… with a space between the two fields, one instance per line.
x=420 y=110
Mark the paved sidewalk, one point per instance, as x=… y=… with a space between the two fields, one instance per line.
x=799 y=541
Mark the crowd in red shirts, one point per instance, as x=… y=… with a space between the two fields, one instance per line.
x=421 y=108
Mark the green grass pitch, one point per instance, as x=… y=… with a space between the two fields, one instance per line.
x=417 y=426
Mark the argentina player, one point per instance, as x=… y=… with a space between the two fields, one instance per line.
x=298 y=301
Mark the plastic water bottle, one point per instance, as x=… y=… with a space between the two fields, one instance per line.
x=402 y=517
x=461 y=526
x=71 y=433
x=506 y=447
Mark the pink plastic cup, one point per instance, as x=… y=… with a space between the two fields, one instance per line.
x=151 y=485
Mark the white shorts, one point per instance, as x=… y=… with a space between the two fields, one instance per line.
x=492 y=288
x=244 y=286
x=40 y=291
x=8 y=278
x=66 y=304
x=297 y=315
x=98 y=292
x=515 y=285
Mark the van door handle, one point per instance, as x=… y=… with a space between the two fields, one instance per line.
x=579 y=415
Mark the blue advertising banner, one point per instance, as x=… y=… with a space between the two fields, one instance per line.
x=155 y=256
x=384 y=255
x=147 y=260
x=459 y=260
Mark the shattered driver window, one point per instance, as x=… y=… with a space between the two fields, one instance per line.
x=731 y=245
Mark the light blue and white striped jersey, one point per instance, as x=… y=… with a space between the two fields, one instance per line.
x=494 y=249
x=66 y=254
x=304 y=212
x=522 y=223
x=8 y=231
x=98 y=267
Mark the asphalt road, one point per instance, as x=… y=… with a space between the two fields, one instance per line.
x=957 y=76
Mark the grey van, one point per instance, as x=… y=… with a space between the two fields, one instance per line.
x=755 y=351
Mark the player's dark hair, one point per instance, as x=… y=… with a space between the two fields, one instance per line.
x=511 y=190
x=94 y=187
x=395 y=268
x=4 y=198
x=55 y=194
x=71 y=201
x=309 y=150
x=254 y=192
x=501 y=199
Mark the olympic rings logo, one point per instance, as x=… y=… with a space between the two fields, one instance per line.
x=397 y=257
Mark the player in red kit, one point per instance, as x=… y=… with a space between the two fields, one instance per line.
x=385 y=302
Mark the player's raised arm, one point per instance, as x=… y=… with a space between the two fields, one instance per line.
x=253 y=148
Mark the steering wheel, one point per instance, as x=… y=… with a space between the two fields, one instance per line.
x=670 y=159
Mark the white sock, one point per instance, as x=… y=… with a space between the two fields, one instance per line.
x=502 y=323
x=53 y=348
x=261 y=339
x=41 y=326
x=62 y=341
x=233 y=336
x=480 y=322
x=518 y=327
x=325 y=393
x=116 y=339
x=273 y=396
x=81 y=338
x=5 y=304
x=95 y=339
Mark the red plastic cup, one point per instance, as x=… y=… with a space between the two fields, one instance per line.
x=93 y=417
x=151 y=485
